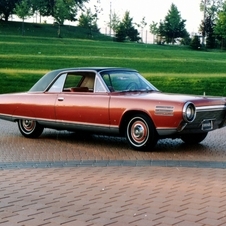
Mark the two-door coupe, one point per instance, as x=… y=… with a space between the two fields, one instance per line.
x=112 y=101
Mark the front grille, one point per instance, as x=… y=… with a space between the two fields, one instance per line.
x=217 y=117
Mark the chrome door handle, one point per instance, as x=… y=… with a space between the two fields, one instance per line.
x=60 y=99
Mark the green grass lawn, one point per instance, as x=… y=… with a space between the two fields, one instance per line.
x=24 y=59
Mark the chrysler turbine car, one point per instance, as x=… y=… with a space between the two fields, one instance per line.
x=112 y=101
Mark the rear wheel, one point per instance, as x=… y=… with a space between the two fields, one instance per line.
x=140 y=133
x=194 y=138
x=30 y=128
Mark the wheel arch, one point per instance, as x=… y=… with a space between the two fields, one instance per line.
x=127 y=115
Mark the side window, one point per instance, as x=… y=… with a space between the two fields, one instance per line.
x=80 y=82
x=58 y=84
x=73 y=80
x=76 y=82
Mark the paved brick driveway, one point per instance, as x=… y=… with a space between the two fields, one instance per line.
x=72 y=179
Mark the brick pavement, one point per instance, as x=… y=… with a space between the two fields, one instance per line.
x=39 y=185
x=113 y=196
x=64 y=146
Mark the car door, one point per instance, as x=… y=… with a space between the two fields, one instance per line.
x=42 y=106
x=88 y=109
x=79 y=106
x=39 y=106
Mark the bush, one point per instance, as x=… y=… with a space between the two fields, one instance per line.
x=195 y=43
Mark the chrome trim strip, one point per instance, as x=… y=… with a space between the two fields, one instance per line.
x=166 y=131
x=67 y=125
x=6 y=117
x=211 y=108
x=164 y=110
x=182 y=126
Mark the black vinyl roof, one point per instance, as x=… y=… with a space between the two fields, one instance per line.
x=97 y=69
x=45 y=81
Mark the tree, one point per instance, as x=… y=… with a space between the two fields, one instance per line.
x=154 y=29
x=114 y=21
x=40 y=7
x=121 y=33
x=53 y=8
x=173 y=26
x=23 y=10
x=62 y=11
x=127 y=21
x=186 y=40
x=220 y=28
x=195 y=43
x=73 y=6
x=210 y=10
x=209 y=30
x=142 y=25
x=133 y=35
x=88 y=20
x=211 y=7
x=7 y=8
x=126 y=30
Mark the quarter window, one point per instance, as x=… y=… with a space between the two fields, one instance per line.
x=58 y=84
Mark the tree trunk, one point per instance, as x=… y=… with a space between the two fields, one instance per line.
x=59 y=31
x=222 y=44
x=6 y=16
x=23 y=27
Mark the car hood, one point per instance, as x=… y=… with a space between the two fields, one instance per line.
x=169 y=97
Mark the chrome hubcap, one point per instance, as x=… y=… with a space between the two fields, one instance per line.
x=28 y=125
x=139 y=132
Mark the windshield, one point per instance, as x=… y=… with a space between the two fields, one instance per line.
x=120 y=81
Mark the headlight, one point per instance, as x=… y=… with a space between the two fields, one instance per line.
x=189 y=112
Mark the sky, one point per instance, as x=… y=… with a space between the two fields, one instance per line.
x=152 y=10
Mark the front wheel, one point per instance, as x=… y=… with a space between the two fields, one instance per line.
x=140 y=133
x=193 y=138
x=30 y=128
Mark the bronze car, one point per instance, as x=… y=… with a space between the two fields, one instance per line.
x=115 y=101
